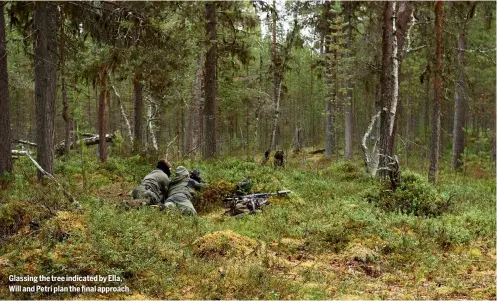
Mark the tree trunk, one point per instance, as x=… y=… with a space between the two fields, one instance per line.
x=194 y=122
x=401 y=14
x=311 y=98
x=460 y=102
x=276 y=64
x=183 y=130
x=5 y=132
x=298 y=139
x=198 y=117
x=247 y=131
x=210 y=81
x=386 y=84
x=102 y=144
x=371 y=154
x=275 y=134
x=426 y=119
x=395 y=78
x=330 y=91
x=45 y=61
x=65 y=105
x=138 y=86
x=123 y=114
x=187 y=140
x=151 y=112
x=435 y=133
x=348 y=98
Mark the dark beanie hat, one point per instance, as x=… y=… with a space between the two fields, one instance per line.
x=164 y=166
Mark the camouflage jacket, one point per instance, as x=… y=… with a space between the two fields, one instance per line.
x=184 y=185
x=158 y=182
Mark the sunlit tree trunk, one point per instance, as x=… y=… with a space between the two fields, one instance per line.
x=5 y=132
x=435 y=134
x=45 y=62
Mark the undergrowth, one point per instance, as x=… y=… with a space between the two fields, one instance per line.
x=414 y=196
x=325 y=241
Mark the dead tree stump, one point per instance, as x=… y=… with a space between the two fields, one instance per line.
x=394 y=172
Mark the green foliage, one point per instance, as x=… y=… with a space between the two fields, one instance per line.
x=414 y=196
x=324 y=217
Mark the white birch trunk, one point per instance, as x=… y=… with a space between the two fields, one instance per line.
x=276 y=117
x=395 y=73
x=151 y=112
x=371 y=156
x=123 y=114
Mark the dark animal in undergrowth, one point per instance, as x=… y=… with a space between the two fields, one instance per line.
x=266 y=157
x=279 y=159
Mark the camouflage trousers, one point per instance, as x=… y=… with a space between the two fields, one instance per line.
x=182 y=202
x=141 y=192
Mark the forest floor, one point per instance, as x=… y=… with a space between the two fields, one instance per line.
x=324 y=241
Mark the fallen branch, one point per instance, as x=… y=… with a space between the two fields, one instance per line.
x=16 y=152
x=191 y=151
x=318 y=151
x=47 y=174
x=25 y=142
x=88 y=135
x=93 y=140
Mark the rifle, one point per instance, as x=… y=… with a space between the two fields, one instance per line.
x=263 y=195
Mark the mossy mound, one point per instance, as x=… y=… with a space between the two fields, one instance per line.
x=413 y=196
x=361 y=253
x=225 y=244
x=344 y=171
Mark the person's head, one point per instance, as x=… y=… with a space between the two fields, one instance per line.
x=181 y=171
x=165 y=166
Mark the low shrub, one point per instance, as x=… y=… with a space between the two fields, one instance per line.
x=414 y=196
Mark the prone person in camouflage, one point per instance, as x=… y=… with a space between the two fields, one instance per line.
x=181 y=192
x=154 y=187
